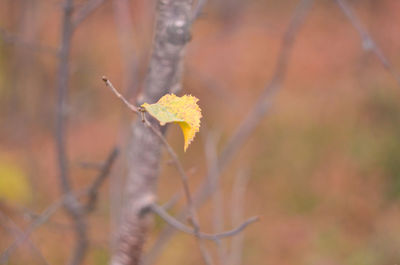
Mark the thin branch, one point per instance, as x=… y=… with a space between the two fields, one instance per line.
x=168 y=147
x=122 y=98
x=86 y=11
x=170 y=150
x=248 y=125
x=186 y=229
x=367 y=41
x=176 y=162
x=184 y=179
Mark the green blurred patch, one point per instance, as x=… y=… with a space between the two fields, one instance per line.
x=301 y=200
x=390 y=162
x=376 y=142
x=293 y=153
x=294 y=150
x=330 y=242
x=14 y=184
x=364 y=256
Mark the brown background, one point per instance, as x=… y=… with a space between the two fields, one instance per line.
x=323 y=166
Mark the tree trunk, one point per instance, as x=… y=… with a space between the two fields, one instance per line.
x=165 y=72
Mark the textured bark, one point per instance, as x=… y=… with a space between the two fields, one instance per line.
x=165 y=72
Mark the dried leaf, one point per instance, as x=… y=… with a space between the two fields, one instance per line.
x=182 y=110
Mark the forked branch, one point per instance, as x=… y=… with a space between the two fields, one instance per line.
x=183 y=228
x=184 y=178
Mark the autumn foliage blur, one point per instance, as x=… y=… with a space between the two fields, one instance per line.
x=323 y=166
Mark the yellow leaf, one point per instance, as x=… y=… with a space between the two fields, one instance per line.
x=182 y=110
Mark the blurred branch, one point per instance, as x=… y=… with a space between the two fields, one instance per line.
x=73 y=207
x=184 y=179
x=97 y=183
x=248 y=125
x=90 y=165
x=237 y=206
x=264 y=103
x=85 y=11
x=186 y=229
x=265 y=100
x=218 y=202
x=18 y=233
x=47 y=213
x=62 y=92
x=367 y=41
x=198 y=8
x=172 y=201
x=52 y=209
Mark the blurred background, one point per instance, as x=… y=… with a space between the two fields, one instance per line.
x=322 y=169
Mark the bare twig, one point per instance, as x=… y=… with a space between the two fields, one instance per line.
x=367 y=41
x=169 y=149
x=122 y=98
x=186 y=229
x=176 y=162
x=249 y=123
x=184 y=179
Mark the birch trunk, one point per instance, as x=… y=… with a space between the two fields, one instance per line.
x=172 y=32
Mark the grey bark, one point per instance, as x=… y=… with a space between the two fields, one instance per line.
x=143 y=159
